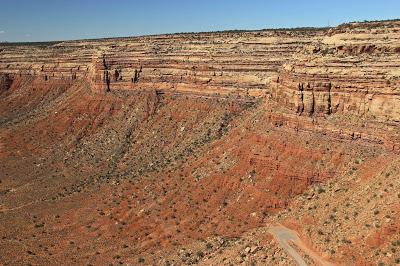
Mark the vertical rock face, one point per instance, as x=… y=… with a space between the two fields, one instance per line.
x=353 y=68
x=224 y=63
x=205 y=62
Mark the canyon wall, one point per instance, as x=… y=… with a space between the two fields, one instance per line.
x=351 y=69
x=204 y=62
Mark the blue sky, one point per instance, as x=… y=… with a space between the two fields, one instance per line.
x=41 y=20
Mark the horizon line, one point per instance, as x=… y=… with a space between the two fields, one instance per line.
x=50 y=42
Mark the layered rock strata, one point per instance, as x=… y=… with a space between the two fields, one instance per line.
x=354 y=69
x=351 y=70
x=205 y=62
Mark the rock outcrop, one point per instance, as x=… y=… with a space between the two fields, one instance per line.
x=205 y=62
x=354 y=70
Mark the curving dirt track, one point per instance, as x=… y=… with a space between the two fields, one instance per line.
x=285 y=236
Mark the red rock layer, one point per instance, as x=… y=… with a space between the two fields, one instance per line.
x=351 y=70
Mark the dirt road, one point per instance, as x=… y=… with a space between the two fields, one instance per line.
x=285 y=236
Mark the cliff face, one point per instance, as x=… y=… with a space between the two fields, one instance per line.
x=207 y=62
x=354 y=68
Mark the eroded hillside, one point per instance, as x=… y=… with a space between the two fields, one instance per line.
x=188 y=148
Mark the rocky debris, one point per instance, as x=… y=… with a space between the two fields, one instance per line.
x=364 y=202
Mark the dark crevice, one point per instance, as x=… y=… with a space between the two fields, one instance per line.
x=136 y=76
x=107 y=80
x=329 y=111
x=312 y=109
x=300 y=108
x=104 y=63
